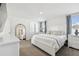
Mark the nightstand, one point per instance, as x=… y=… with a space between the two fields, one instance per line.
x=73 y=41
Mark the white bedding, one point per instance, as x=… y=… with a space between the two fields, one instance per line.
x=50 y=40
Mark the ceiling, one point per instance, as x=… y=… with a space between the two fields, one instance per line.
x=31 y=10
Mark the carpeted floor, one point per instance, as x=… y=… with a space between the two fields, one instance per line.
x=27 y=49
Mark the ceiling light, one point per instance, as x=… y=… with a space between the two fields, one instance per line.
x=41 y=13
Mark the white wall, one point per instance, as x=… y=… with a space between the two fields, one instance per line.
x=14 y=21
x=57 y=23
x=17 y=20
x=18 y=15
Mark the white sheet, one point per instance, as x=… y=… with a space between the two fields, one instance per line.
x=51 y=40
x=60 y=39
x=45 y=40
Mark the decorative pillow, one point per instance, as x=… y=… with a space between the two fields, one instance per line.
x=56 y=32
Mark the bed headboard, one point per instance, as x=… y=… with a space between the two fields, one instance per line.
x=56 y=32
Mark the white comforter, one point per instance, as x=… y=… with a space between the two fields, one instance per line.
x=51 y=40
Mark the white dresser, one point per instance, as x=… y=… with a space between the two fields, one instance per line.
x=9 y=46
x=73 y=41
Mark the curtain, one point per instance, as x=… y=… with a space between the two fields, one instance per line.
x=68 y=25
x=43 y=26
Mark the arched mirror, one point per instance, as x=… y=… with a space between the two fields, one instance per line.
x=20 y=31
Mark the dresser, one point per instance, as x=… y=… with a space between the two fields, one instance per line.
x=73 y=41
x=9 y=45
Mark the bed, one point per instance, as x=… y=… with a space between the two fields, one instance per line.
x=49 y=43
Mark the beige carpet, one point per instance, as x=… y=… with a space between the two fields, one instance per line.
x=27 y=49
